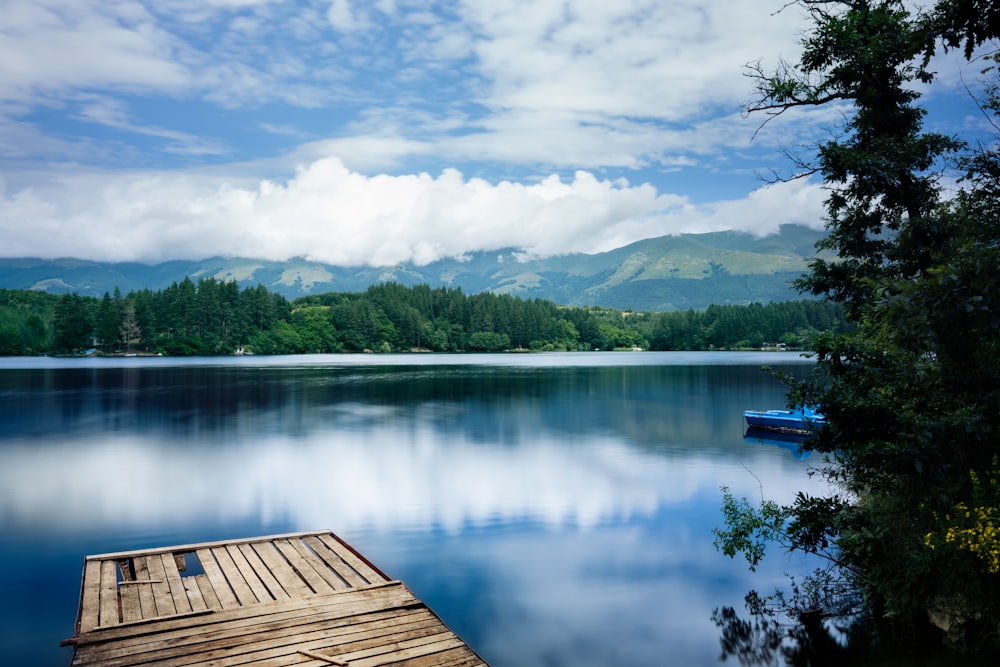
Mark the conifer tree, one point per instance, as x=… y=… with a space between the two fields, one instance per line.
x=912 y=395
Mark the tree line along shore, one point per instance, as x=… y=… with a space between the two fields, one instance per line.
x=213 y=317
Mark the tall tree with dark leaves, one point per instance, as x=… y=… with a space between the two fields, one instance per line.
x=72 y=324
x=912 y=396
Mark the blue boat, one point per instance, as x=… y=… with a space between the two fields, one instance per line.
x=802 y=419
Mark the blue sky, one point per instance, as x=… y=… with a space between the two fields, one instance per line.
x=386 y=131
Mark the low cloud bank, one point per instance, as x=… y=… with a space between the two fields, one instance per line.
x=329 y=213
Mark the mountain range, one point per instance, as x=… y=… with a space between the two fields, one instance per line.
x=664 y=273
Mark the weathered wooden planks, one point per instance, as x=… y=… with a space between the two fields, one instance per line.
x=298 y=599
x=135 y=586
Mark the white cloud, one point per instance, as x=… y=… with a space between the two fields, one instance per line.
x=344 y=15
x=52 y=50
x=569 y=85
x=588 y=88
x=382 y=106
x=586 y=85
x=638 y=59
x=330 y=213
x=49 y=47
x=797 y=202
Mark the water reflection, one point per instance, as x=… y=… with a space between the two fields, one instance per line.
x=551 y=516
x=790 y=441
x=763 y=642
x=653 y=405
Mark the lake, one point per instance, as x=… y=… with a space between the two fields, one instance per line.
x=553 y=509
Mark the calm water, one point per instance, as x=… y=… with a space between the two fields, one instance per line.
x=553 y=509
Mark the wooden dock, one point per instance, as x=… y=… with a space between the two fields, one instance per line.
x=297 y=599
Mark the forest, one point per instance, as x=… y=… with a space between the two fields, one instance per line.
x=212 y=317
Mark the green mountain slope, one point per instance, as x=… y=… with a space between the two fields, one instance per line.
x=665 y=273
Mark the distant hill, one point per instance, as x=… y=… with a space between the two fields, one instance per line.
x=665 y=273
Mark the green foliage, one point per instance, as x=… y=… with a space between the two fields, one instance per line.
x=749 y=529
x=72 y=324
x=25 y=321
x=912 y=393
x=488 y=341
x=731 y=327
x=315 y=329
x=808 y=525
x=282 y=338
x=210 y=317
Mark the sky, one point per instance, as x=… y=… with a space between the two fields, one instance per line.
x=379 y=132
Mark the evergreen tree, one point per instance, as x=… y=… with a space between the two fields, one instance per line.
x=912 y=396
x=108 y=319
x=72 y=324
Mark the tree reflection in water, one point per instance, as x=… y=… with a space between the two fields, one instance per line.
x=818 y=624
x=822 y=622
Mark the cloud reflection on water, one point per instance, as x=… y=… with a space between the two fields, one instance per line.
x=561 y=519
x=382 y=478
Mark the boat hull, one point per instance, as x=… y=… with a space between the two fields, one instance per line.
x=799 y=420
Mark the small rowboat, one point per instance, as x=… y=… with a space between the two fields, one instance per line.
x=802 y=419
